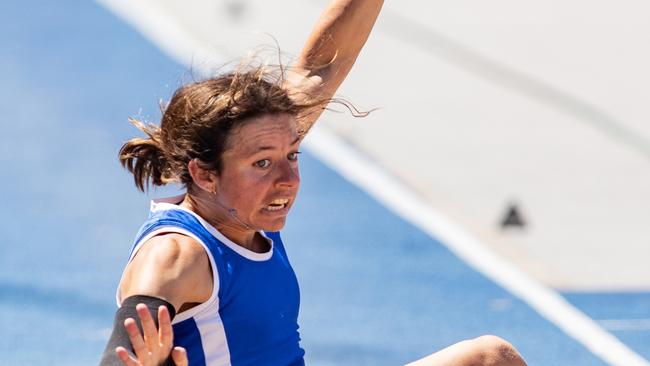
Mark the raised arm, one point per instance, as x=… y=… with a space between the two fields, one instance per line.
x=332 y=48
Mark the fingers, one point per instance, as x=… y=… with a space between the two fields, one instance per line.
x=156 y=343
x=135 y=337
x=126 y=359
x=148 y=327
x=179 y=355
x=165 y=333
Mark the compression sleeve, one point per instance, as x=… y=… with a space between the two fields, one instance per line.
x=119 y=337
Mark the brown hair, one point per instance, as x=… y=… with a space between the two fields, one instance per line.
x=198 y=120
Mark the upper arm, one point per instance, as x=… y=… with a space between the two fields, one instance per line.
x=172 y=267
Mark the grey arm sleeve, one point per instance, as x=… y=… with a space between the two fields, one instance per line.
x=119 y=337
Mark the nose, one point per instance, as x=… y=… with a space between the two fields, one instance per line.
x=288 y=175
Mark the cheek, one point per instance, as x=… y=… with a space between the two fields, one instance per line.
x=248 y=189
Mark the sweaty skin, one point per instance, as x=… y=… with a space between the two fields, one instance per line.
x=256 y=189
x=259 y=181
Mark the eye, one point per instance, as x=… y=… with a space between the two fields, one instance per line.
x=264 y=163
x=293 y=156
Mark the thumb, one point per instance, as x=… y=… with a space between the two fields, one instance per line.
x=179 y=355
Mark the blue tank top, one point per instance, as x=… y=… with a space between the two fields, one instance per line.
x=252 y=316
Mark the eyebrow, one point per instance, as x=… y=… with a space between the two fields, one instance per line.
x=263 y=148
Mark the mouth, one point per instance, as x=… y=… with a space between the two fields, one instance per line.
x=277 y=204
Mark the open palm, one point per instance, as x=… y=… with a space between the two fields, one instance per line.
x=154 y=347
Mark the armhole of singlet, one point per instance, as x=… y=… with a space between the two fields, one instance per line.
x=215 y=274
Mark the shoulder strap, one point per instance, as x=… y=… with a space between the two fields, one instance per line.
x=185 y=223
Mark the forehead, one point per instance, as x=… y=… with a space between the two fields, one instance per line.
x=267 y=131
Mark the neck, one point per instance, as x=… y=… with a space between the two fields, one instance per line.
x=225 y=221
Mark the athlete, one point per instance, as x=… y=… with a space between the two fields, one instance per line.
x=208 y=281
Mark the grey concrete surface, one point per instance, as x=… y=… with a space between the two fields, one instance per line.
x=541 y=104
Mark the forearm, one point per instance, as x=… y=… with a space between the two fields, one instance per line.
x=119 y=336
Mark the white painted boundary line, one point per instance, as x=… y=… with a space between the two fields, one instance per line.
x=625 y=324
x=368 y=175
x=163 y=30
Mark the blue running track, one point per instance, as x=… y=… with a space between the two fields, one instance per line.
x=375 y=289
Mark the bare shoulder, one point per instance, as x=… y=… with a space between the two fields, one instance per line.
x=171 y=266
x=173 y=250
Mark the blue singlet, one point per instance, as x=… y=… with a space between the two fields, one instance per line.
x=252 y=316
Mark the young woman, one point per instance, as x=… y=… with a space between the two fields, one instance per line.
x=212 y=259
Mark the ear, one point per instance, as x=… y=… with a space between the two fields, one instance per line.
x=202 y=178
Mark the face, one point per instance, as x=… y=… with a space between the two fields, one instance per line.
x=259 y=176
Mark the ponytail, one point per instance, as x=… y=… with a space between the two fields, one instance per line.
x=144 y=157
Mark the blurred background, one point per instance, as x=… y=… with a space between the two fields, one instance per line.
x=522 y=123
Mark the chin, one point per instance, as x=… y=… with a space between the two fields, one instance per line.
x=274 y=226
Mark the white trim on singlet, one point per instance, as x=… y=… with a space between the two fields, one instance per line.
x=214 y=298
x=168 y=204
x=213 y=338
x=206 y=315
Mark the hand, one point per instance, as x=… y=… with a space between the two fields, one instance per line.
x=154 y=348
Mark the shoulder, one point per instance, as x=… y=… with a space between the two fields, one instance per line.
x=172 y=250
x=164 y=266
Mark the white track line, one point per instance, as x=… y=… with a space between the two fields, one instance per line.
x=165 y=32
x=400 y=199
x=641 y=325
